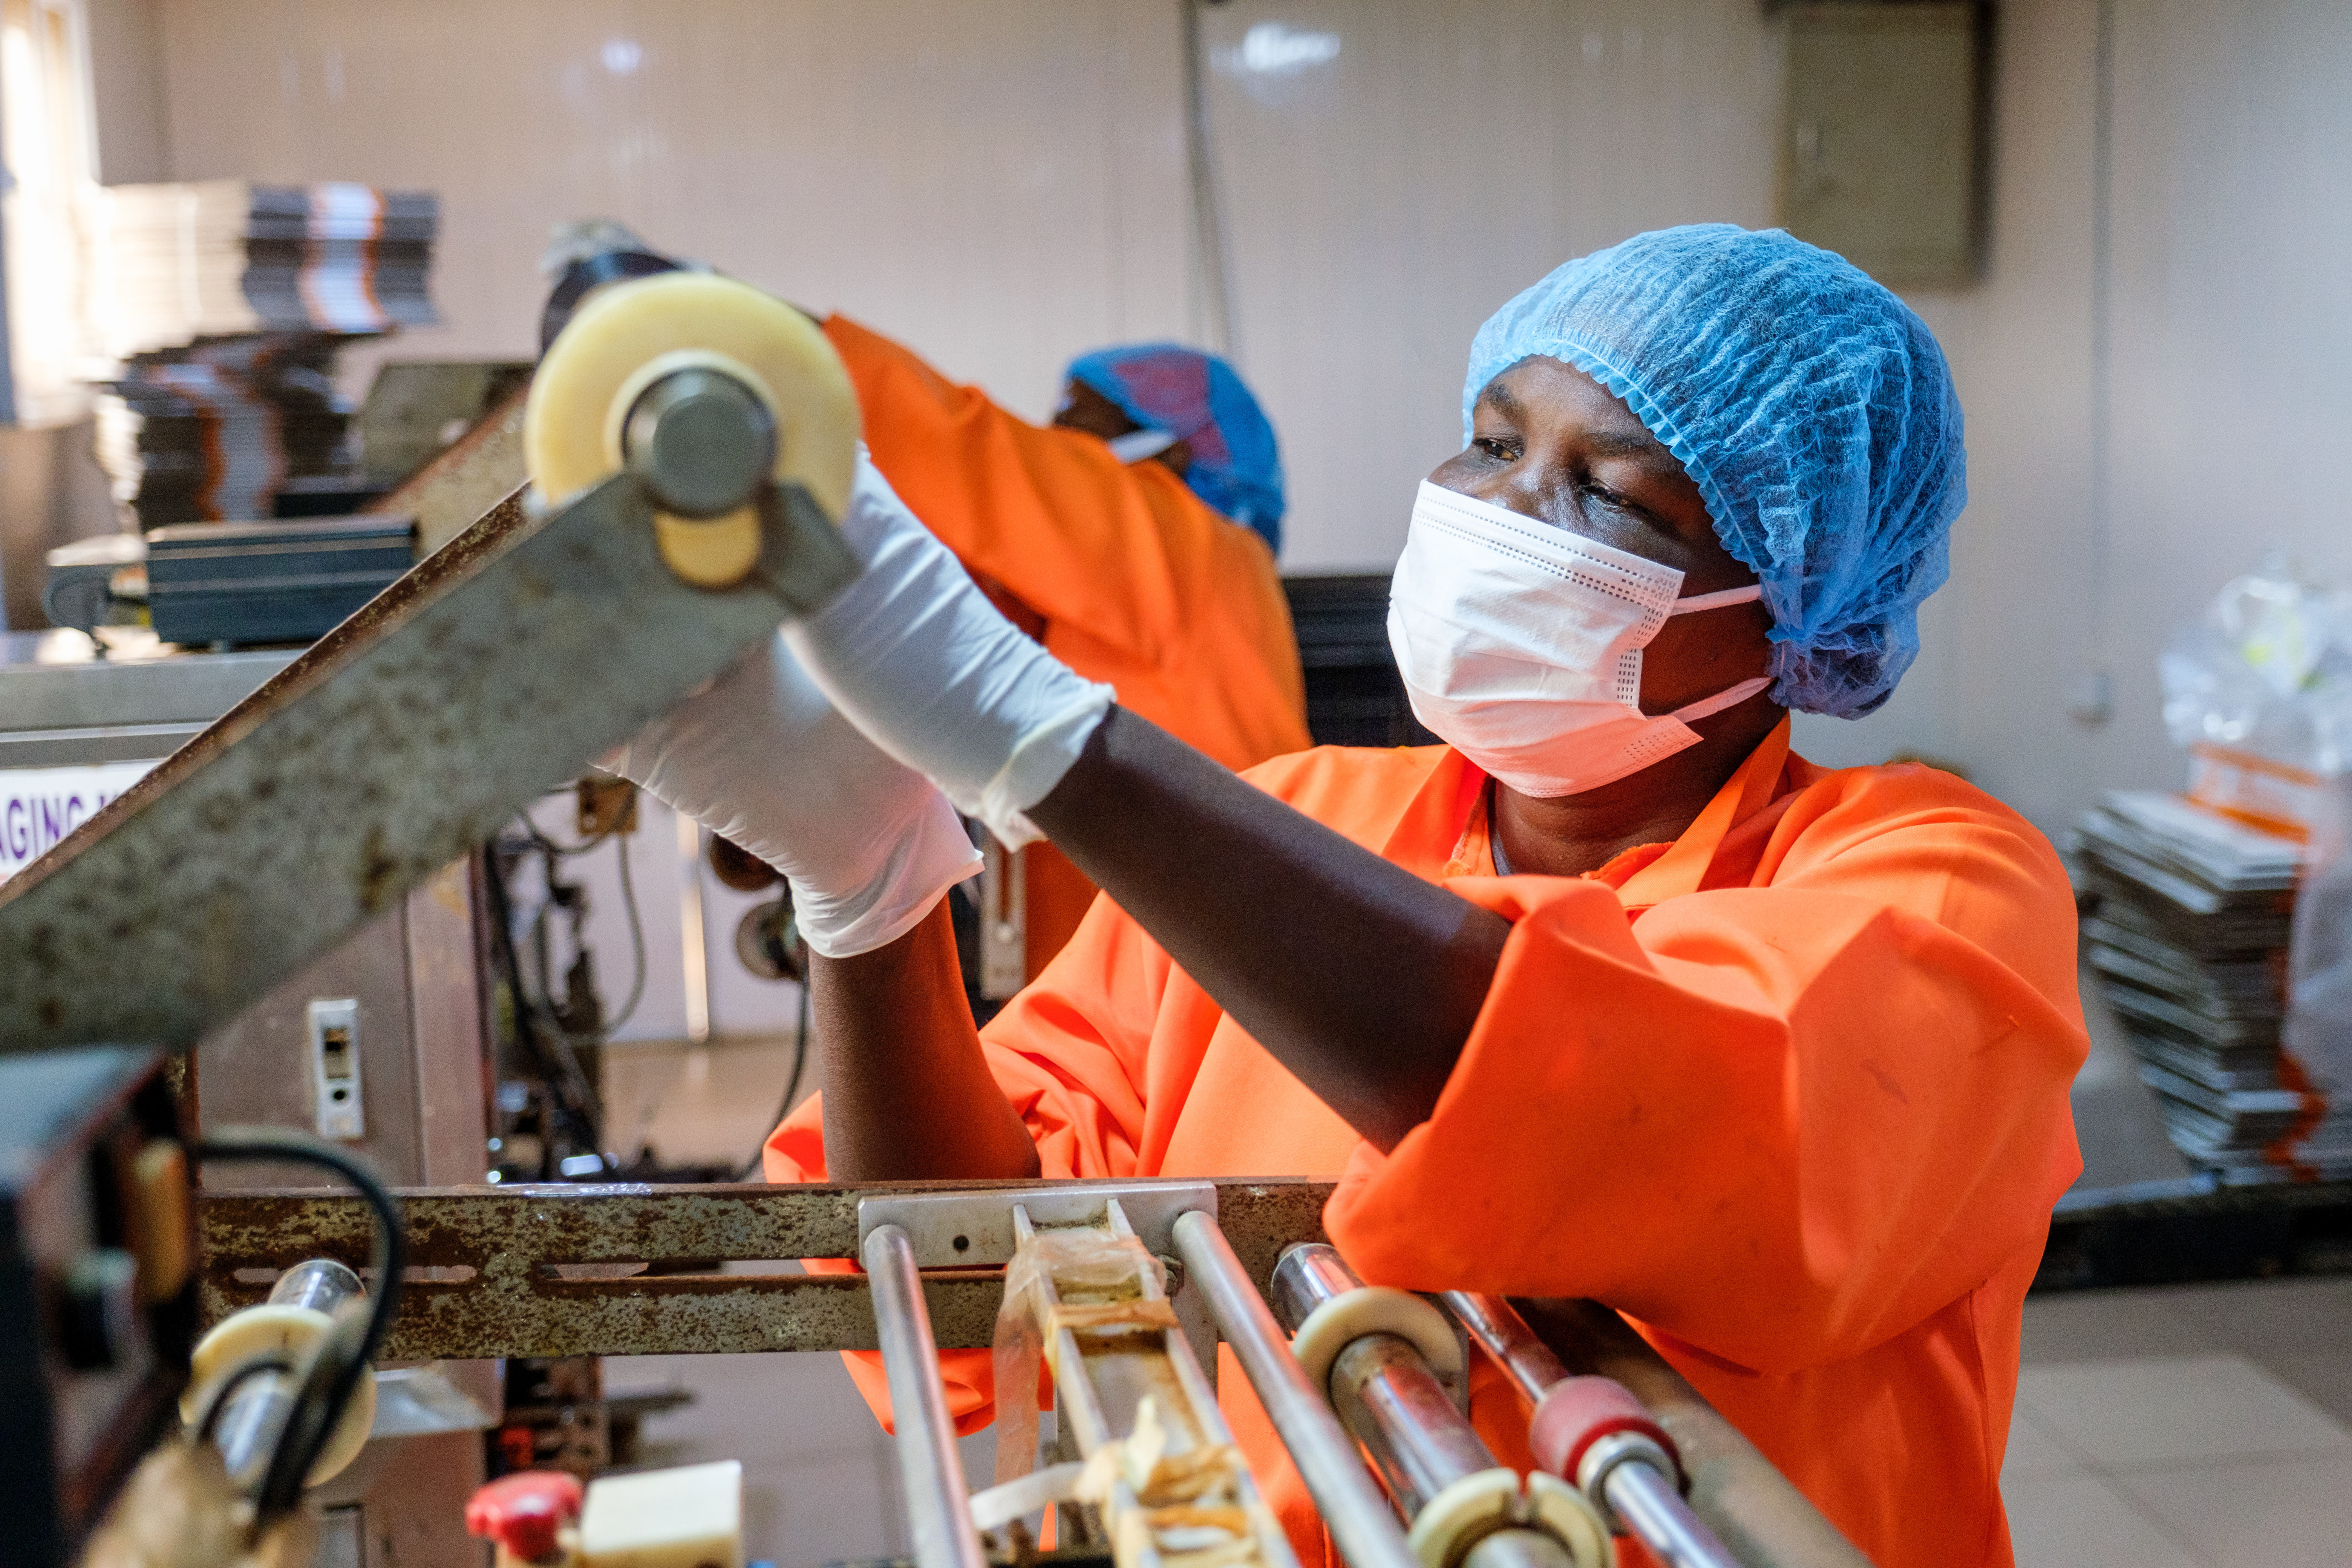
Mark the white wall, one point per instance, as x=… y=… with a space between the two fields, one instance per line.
x=1001 y=183
x=1452 y=153
x=1004 y=186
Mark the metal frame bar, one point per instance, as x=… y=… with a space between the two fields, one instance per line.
x=1386 y=1395
x=1353 y=1509
x=1648 y=1501
x=366 y=766
x=2195 y=1229
x=930 y=1467
x=1760 y=1517
x=570 y=1270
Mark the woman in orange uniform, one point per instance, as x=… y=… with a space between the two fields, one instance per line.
x=1135 y=539
x=1612 y=996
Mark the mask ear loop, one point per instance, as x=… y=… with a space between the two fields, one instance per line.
x=1139 y=445
x=1731 y=696
x=1697 y=602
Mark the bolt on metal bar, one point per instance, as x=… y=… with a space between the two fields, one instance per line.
x=1646 y=1501
x=1390 y=1400
x=1352 y=1507
x=939 y=1510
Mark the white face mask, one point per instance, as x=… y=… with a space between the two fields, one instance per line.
x=1137 y=445
x=1521 y=645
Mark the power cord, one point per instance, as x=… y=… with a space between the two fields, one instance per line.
x=342 y=1360
x=791 y=1089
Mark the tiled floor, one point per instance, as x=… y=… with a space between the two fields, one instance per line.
x=2200 y=1427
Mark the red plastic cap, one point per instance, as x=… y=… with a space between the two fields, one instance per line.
x=1578 y=1412
x=521 y=1512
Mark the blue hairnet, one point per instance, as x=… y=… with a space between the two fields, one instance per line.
x=1199 y=399
x=1813 y=410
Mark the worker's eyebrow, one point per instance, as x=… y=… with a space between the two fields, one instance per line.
x=1499 y=398
x=1636 y=443
x=1626 y=441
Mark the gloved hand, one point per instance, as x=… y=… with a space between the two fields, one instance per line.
x=919 y=660
x=760 y=756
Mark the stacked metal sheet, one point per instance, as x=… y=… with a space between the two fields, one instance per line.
x=220 y=306
x=2188 y=934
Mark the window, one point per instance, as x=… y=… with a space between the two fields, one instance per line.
x=46 y=142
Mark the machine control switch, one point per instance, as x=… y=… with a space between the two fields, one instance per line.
x=335 y=1067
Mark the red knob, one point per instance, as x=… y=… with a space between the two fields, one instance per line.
x=521 y=1512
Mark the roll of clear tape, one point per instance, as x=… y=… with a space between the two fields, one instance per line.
x=629 y=335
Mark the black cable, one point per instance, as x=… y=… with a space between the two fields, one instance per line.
x=336 y=1370
x=219 y=1401
x=800 y=1060
x=529 y=1024
x=548 y=845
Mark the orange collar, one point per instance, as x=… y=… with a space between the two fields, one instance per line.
x=1646 y=874
x=1684 y=864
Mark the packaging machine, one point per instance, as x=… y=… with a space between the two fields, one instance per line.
x=697 y=439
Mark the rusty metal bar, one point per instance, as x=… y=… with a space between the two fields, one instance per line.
x=503 y=663
x=588 y=1270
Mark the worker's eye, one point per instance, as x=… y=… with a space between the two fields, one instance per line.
x=1501 y=448
x=1600 y=496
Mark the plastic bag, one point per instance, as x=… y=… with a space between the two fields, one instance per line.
x=2259 y=691
x=1081 y=1261
x=2315 y=1041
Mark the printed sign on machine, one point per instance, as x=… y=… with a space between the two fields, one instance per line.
x=40 y=805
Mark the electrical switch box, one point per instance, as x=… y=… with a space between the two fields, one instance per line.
x=335 y=1068
x=1882 y=150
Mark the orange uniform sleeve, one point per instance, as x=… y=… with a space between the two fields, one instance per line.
x=1128 y=547
x=1781 y=1123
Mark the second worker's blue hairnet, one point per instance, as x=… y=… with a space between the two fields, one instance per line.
x=1199 y=399
x=1811 y=408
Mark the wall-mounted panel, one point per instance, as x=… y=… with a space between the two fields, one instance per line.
x=1880 y=136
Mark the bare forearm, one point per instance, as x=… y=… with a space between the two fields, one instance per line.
x=1360 y=977
x=908 y=1093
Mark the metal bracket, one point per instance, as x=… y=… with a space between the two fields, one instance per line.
x=506 y=661
x=976 y=1230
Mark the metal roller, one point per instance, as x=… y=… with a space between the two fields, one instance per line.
x=1466 y=1511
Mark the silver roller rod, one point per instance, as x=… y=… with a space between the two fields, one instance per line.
x=1645 y=1501
x=249 y=1425
x=939 y=1508
x=1353 y=1509
x=1385 y=1394
x=1652 y=1506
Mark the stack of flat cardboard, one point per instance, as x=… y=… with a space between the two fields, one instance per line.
x=170 y=265
x=2189 y=938
x=219 y=307
x=218 y=430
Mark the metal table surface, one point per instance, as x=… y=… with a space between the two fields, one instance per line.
x=62 y=702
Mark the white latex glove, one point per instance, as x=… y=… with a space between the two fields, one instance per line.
x=761 y=757
x=919 y=659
